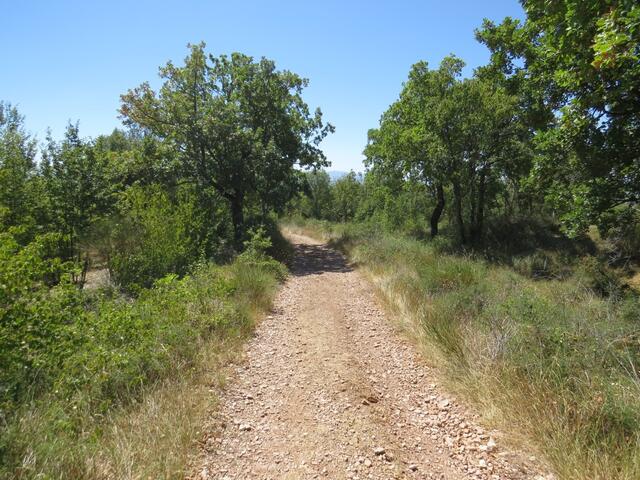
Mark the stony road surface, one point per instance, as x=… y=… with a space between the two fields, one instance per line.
x=329 y=389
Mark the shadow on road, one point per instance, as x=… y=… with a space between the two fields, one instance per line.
x=317 y=259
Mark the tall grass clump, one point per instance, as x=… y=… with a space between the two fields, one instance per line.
x=553 y=360
x=100 y=385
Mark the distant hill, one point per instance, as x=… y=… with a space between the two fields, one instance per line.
x=336 y=174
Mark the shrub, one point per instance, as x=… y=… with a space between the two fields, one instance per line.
x=93 y=355
x=38 y=308
x=255 y=255
x=597 y=277
x=151 y=237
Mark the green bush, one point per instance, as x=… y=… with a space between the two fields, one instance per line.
x=255 y=255
x=38 y=309
x=154 y=235
x=70 y=358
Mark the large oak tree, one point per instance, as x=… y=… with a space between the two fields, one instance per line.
x=575 y=65
x=240 y=127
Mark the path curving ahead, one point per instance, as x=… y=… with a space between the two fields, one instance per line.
x=330 y=390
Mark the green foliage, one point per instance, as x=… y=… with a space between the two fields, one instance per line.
x=444 y=132
x=255 y=254
x=76 y=183
x=322 y=199
x=154 y=204
x=38 y=310
x=76 y=357
x=394 y=204
x=347 y=194
x=596 y=276
x=239 y=126
x=17 y=154
x=316 y=199
x=574 y=66
x=154 y=235
x=133 y=158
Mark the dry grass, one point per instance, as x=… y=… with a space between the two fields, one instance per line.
x=158 y=437
x=550 y=362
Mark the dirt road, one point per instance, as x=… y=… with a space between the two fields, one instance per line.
x=328 y=389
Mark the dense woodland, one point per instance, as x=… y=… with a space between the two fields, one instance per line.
x=532 y=163
x=547 y=131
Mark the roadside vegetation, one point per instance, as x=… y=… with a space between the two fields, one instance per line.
x=132 y=265
x=554 y=362
x=499 y=217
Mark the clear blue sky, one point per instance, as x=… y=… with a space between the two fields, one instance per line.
x=70 y=60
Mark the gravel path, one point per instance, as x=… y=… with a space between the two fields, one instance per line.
x=330 y=390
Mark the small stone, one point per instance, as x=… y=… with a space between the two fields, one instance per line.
x=482 y=463
x=367 y=462
x=378 y=450
x=244 y=427
x=413 y=467
x=491 y=445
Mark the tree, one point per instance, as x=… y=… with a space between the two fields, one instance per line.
x=347 y=194
x=446 y=132
x=133 y=158
x=76 y=182
x=317 y=190
x=489 y=146
x=575 y=66
x=239 y=126
x=17 y=166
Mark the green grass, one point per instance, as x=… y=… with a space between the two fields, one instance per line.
x=128 y=382
x=555 y=362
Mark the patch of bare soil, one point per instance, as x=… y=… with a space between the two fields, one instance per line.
x=329 y=389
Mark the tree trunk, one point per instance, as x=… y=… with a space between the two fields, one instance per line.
x=457 y=204
x=237 y=218
x=473 y=204
x=437 y=211
x=478 y=226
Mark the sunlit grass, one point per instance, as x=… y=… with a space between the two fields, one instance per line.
x=550 y=361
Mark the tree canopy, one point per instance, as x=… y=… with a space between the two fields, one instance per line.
x=239 y=126
x=447 y=132
x=576 y=66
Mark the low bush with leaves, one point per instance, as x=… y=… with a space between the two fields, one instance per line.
x=154 y=235
x=71 y=359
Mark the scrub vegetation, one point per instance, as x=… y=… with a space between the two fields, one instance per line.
x=133 y=264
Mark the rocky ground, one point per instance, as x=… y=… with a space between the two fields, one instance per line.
x=329 y=389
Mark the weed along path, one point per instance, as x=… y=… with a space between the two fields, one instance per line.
x=329 y=389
